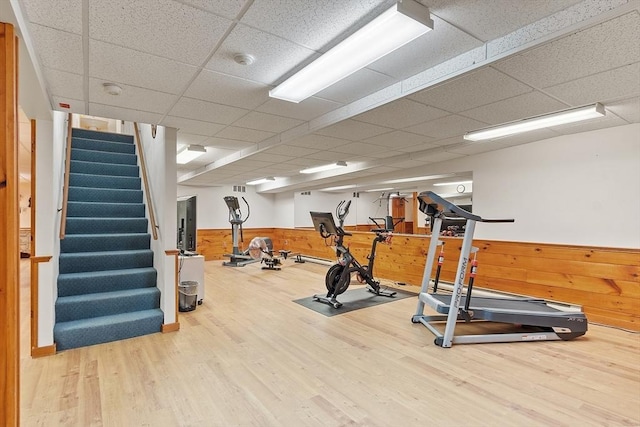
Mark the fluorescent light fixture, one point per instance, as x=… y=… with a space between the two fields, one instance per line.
x=402 y=23
x=438 y=184
x=261 y=181
x=376 y=190
x=190 y=153
x=419 y=178
x=335 y=165
x=539 y=122
x=342 y=187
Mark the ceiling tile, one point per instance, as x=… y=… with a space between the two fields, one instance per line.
x=58 y=49
x=132 y=97
x=359 y=84
x=471 y=148
x=352 y=130
x=65 y=15
x=306 y=110
x=120 y=113
x=318 y=142
x=619 y=83
x=244 y=134
x=489 y=20
x=274 y=57
x=266 y=122
x=312 y=24
x=603 y=47
x=271 y=157
x=207 y=111
x=118 y=64
x=397 y=139
x=628 y=109
x=192 y=126
x=65 y=84
x=443 y=43
x=385 y=154
x=292 y=150
x=446 y=127
x=400 y=114
x=442 y=156
x=326 y=157
x=228 y=90
x=358 y=148
x=227 y=8
x=157 y=27
x=516 y=108
x=471 y=90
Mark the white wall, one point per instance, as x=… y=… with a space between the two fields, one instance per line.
x=212 y=212
x=160 y=157
x=50 y=143
x=580 y=189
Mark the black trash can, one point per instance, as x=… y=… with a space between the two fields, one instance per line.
x=188 y=296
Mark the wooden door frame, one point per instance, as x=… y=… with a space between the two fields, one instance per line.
x=9 y=226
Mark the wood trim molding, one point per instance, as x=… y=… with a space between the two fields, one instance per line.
x=9 y=225
x=35 y=280
x=170 y=327
x=49 y=350
x=174 y=253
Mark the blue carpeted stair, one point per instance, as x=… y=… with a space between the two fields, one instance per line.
x=107 y=284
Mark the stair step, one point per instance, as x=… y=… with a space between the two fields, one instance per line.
x=97 y=330
x=109 y=195
x=74 y=243
x=105 y=260
x=101 y=145
x=102 y=181
x=100 y=304
x=81 y=225
x=105 y=210
x=107 y=169
x=104 y=136
x=105 y=281
x=103 y=157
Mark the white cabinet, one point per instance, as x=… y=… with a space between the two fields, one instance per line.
x=191 y=268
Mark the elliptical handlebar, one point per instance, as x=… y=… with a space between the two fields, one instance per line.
x=248 y=209
x=342 y=210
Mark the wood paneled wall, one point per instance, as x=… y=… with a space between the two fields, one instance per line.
x=604 y=281
x=9 y=227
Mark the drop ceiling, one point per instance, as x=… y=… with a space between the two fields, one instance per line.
x=484 y=63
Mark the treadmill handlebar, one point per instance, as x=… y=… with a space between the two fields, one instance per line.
x=429 y=198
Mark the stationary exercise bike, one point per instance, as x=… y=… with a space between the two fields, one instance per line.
x=338 y=277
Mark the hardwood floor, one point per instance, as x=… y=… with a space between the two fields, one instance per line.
x=249 y=356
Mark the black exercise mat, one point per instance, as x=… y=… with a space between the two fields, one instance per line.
x=353 y=299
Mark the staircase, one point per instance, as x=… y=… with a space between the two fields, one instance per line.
x=106 y=284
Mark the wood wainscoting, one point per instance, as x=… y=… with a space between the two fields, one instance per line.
x=604 y=281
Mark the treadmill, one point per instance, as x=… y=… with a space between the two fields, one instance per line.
x=542 y=320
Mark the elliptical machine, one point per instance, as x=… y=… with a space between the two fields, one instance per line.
x=238 y=259
x=338 y=277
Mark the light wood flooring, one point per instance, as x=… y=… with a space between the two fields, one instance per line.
x=249 y=356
